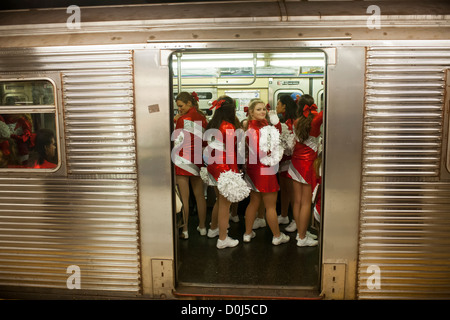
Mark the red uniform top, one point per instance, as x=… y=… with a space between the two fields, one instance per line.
x=307 y=150
x=44 y=165
x=301 y=167
x=193 y=125
x=223 y=159
x=260 y=177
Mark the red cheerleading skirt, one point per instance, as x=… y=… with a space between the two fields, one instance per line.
x=302 y=171
x=284 y=169
x=261 y=183
x=192 y=170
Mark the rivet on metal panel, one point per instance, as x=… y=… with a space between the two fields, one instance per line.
x=334 y=280
x=162 y=271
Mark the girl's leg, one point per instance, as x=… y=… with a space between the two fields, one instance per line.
x=285 y=195
x=233 y=212
x=261 y=211
x=183 y=185
x=223 y=216
x=197 y=188
x=250 y=212
x=270 y=202
x=215 y=211
x=305 y=210
x=296 y=200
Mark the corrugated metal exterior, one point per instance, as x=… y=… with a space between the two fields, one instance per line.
x=405 y=208
x=88 y=218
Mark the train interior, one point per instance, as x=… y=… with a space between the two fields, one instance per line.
x=28 y=106
x=258 y=267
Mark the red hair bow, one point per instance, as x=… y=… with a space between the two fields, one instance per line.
x=268 y=106
x=217 y=104
x=246 y=110
x=195 y=96
x=5 y=148
x=307 y=109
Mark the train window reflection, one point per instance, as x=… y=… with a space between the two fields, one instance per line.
x=28 y=136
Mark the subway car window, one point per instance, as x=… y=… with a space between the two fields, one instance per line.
x=28 y=135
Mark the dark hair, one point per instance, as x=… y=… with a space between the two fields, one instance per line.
x=186 y=97
x=227 y=112
x=291 y=107
x=304 y=123
x=43 y=139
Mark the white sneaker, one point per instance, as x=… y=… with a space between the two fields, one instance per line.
x=259 y=223
x=202 y=231
x=307 y=242
x=184 y=235
x=234 y=218
x=212 y=233
x=311 y=235
x=283 y=220
x=308 y=234
x=227 y=243
x=291 y=227
x=281 y=239
x=249 y=237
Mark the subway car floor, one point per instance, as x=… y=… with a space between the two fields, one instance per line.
x=256 y=264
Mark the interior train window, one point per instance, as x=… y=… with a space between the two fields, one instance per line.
x=28 y=126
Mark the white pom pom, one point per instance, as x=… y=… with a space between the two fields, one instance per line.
x=270 y=142
x=5 y=131
x=232 y=186
x=287 y=138
x=204 y=175
x=273 y=117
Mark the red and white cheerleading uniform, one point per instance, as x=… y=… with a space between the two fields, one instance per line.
x=316 y=186
x=301 y=168
x=286 y=160
x=222 y=160
x=189 y=160
x=259 y=177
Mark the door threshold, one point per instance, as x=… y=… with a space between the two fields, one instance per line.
x=240 y=292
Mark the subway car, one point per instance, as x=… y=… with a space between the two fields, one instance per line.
x=98 y=217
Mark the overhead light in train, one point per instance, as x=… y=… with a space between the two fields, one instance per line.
x=218 y=64
x=296 y=63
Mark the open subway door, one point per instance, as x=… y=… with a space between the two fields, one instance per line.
x=257 y=268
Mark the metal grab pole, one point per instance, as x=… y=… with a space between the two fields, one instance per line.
x=179 y=54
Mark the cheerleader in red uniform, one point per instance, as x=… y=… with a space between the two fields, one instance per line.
x=261 y=174
x=222 y=169
x=288 y=108
x=307 y=131
x=188 y=161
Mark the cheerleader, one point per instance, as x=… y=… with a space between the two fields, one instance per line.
x=288 y=108
x=307 y=131
x=222 y=169
x=192 y=123
x=261 y=174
